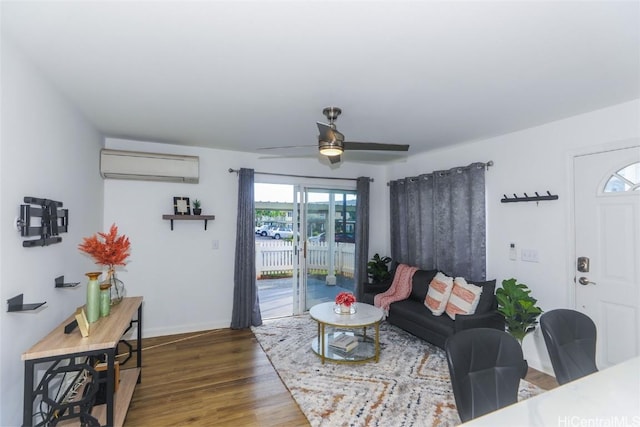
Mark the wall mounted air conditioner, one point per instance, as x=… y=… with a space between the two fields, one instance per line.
x=120 y=164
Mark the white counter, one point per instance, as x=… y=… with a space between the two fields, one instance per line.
x=610 y=397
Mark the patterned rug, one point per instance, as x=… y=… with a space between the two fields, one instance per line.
x=409 y=386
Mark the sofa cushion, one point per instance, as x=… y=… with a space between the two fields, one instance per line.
x=464 y=298
x=438 y=293
x=487 y=299
x=416 y=312
x=420 y=284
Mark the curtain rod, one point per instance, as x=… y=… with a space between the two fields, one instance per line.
x=486 y=165
x=300 y=176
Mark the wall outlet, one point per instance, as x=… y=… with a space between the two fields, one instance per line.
x=513 y=254
x=529 y=255
x=215 y=244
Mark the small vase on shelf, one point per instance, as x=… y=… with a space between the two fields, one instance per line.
x=116 y=287
x=197 y=210
x=105 y=299
x=93 y=297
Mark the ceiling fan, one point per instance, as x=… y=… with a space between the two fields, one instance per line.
x=331 y=142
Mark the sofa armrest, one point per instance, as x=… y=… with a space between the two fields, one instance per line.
x=377 y=288
x=491 y=319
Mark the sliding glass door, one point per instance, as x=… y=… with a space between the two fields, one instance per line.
x=305 y=246
x=328 y=255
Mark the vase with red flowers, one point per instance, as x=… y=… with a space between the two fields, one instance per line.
x=109 y=250
x=345 y=303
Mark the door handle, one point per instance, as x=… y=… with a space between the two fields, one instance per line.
x=584 y=281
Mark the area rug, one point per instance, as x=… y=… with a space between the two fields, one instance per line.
x=409 y=386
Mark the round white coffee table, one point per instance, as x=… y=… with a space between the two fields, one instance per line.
x=350 y=327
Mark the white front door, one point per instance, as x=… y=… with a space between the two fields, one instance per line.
x=607 y=233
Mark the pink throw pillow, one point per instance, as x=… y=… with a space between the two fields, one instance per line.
x=438 y=293
x=464 y=298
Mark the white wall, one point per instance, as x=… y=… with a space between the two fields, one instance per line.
x=188 y=286
x=536 y=159
x=47 y=150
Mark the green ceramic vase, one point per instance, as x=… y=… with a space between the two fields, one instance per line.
x=93 y=297
x=105 y=299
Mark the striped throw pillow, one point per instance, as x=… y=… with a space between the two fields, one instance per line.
x=438 y=293
x=464 y=298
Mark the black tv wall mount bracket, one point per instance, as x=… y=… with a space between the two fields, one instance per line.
x=53 y=221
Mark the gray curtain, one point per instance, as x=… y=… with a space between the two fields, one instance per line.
x=362 y=235
x=438 y=221
x=246 y=307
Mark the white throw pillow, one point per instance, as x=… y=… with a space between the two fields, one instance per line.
x=464 y=298
x=438 y=293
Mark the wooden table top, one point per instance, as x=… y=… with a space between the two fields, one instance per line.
x=103 y=334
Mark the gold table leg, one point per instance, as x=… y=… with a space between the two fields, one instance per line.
x=322 y=341
x=377 y=342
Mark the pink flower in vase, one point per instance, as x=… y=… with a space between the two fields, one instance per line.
x=345 y=298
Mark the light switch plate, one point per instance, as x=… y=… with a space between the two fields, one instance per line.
x=529 y=255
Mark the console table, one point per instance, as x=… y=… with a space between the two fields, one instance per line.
x=61 y=351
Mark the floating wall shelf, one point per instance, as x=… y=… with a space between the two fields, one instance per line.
x=61 y=284
x=16 y=304
x=204 y=218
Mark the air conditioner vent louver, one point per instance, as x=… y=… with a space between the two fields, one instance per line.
x=118 y=164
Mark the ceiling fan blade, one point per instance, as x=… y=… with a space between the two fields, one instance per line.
x=329 y=134
x=287 y=146
x=325 y=131
x=334 y=159
x=351 y=145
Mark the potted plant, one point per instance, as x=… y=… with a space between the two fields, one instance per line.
x=378 y=269
x=518 y=308
x=196 y=207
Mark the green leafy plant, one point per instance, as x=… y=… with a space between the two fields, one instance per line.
x=518 y=308
x=196 y=204
x=378 y=269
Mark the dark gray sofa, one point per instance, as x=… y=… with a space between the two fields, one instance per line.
x=412 y=315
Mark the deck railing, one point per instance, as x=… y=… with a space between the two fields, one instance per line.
x=276 y=258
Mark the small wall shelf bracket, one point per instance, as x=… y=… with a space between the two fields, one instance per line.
x=16 y=304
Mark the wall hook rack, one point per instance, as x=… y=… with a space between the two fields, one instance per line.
x=528 y=198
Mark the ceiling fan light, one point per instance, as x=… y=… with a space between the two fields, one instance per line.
x=331 y=148
x=331 y=151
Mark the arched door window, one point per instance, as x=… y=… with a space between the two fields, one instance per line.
x=625 y=179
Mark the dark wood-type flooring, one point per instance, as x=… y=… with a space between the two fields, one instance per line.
x=219 y=378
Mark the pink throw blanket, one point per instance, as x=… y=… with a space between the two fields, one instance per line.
x=400 y=288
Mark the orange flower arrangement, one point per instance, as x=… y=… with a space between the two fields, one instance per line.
x=107 y=248
x=345 y=298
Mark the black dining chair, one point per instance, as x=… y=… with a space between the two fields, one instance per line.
x=570 y=337
x=486 y=366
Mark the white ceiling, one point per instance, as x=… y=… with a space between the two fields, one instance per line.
x=242 y=75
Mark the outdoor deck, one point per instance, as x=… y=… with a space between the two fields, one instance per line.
x=276 y=295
